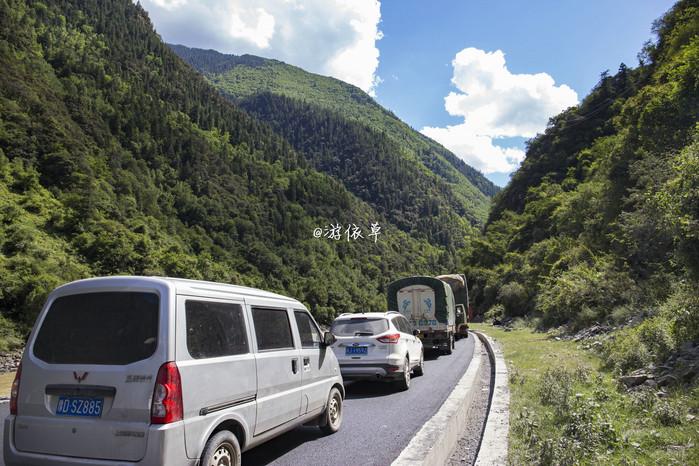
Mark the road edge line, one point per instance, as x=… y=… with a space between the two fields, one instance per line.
x=495 y=440
x=435 y=441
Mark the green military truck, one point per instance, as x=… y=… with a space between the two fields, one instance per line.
x=428 y=303
x=459 y=286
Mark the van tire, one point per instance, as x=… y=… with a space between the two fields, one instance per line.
x=403 y=383
x=419 y=370
x=331 y=419
x=223 y=444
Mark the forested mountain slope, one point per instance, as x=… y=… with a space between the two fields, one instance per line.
x=116 y=157
x=601 y=222
x=262 y=86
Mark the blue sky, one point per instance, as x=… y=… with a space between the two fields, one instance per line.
x=572 y=41
x=480 y=77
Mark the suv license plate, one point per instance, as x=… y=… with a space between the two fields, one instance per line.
x=79 y=406
x=356 y=350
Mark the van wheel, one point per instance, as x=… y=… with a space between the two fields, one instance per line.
x=404 y=382
x=420 y=368
x=332 y=419
x=222 y=449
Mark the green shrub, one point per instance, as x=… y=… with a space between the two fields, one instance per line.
x=584 y=294
x=496 y=311
x=667 y=413
x=10 y=338
x=682 y=307
x=649 y=342
x=556 y=389
x=515 y=299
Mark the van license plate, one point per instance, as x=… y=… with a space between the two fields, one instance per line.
x=356 y=350
x=79 y=406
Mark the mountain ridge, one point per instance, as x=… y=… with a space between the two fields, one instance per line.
x=346 y=97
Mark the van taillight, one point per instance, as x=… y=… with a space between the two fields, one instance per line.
x=392 y=338
x=167 y=395
x=14 y=392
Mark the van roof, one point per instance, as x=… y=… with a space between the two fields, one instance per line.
x=180 y=285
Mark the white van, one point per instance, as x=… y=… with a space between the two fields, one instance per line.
x=162 y=371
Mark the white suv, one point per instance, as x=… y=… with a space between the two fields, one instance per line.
x=379 y=346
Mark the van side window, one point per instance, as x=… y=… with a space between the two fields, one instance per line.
x=215 y=329
x=272 y=328
x=310 y=335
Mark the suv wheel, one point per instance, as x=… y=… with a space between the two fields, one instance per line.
x=404 y=382
x=332 y=418
x=221 y=450
x=420 y=368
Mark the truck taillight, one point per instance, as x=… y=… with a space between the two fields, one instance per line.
x=167 y=395
x=14 y=391
x=391 y=339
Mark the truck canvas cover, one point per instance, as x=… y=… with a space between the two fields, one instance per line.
x=443 y=298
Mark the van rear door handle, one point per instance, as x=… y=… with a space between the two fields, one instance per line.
x=294 y=365
x=306 y=362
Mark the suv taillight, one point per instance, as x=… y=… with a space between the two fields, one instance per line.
x=167 y=395
x=14 y=392
x=391 y=339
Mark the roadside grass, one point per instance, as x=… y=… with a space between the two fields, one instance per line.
x=566 y=409
x=6 y=383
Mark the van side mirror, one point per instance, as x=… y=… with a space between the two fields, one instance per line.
x=328 y=339
x=416 y=332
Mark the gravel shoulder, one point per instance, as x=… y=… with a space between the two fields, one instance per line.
x=467 y=447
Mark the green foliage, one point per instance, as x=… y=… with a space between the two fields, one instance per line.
x=325 y=109
x=117 y=158
x=669 y=413
x=601 y=222
x=497 y=311
x=584 y=294
x=9 y=335
x=634 y=348
x=514 y=298
x=682 y=311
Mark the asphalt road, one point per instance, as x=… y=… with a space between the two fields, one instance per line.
x=377 y=424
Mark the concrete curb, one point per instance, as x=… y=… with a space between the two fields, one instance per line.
x=495 y=440
x=433 y=444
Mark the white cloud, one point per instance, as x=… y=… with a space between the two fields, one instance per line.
x=495 y=103
x=330 y=37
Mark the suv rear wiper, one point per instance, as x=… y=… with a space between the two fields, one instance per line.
x=363 y=334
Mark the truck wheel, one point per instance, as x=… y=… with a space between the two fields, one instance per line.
x=404 y=383
x=453 y=342
x=222 y=450
x=332 y=418
x=450 y=346
x=420 y=368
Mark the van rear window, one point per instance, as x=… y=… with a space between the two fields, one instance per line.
x=108 y=328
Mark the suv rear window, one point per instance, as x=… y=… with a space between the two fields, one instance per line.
x=359 y=326
x=110 y=328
